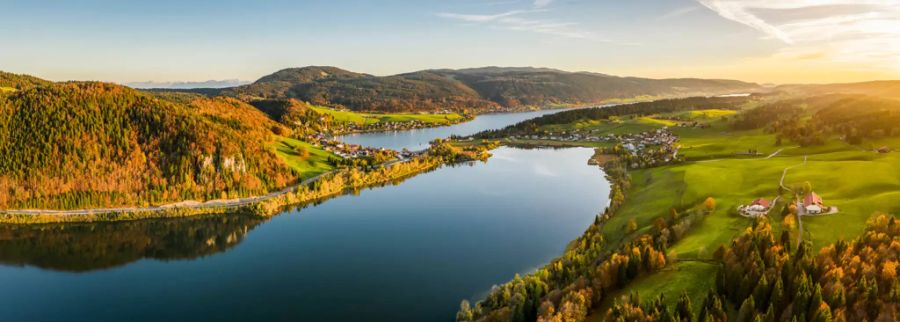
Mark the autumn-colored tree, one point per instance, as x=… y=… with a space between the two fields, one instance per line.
x=632 y=225
x=710 y=204
x=302 y=151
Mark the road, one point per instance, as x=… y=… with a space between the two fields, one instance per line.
x=800 y=209
x=187 y=204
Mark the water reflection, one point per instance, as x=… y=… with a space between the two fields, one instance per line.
x=79 y=247
x=431 y=241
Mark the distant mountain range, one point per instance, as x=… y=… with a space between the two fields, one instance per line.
x=188 y=85
x=884 y=88
x=477 y=89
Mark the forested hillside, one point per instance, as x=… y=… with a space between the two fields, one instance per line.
x=533 y=86
x=18 y=81
x=79 y=144
x=297 y=115
x=480 y=89
x=423 y=91
x=851 y=117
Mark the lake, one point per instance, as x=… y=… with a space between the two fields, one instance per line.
x=407 y=252
x=418 y=139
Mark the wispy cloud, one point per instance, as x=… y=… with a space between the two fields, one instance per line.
x=678 y=12
x=737 y=11
x=851 y=31
x=523 y=20
x=479 y=17
x=542 y=3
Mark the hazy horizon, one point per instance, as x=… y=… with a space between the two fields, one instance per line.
x=762 y=41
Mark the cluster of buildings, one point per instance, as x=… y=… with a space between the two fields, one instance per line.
x=344 y=150
x=381 y=126
x=648 y=149
x=565 y=136
x=637 y=142
x=631 y=142
x=693 y=124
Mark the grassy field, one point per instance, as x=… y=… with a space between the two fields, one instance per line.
x=690 y=277
x=699 y=115
x=6 y=89
x=637 y=124
x=316 y=163
x=369 y=118
x=854 y=179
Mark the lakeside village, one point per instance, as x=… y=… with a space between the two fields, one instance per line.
x=353 y=151
x=391 y=126
x=640 y=150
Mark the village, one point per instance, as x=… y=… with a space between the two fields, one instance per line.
x=350 y=127
x=354 y=151
x=638 y=150
x=631 y=142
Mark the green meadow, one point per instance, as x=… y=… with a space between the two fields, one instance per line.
x=689 y=277
x=638 y=123
x=369 y=118
x=315 y=163
x=853 y=178
x=698 y=115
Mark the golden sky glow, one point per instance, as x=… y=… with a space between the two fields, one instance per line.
x=765 y=41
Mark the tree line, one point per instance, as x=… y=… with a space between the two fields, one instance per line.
x=811 y=120
x=763 y=279
x=603 y=113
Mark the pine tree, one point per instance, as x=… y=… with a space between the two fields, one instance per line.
x=776 y=299
x=683 y=308
x=761 y=292
x=747 y=311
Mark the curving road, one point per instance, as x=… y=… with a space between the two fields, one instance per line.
x=189 y=204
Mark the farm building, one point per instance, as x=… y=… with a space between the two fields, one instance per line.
x=813 y=204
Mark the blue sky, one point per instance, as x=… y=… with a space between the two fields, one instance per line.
x=756 y=40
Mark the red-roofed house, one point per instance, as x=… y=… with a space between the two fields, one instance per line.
x=758 y=208
x=761 y=202
x=813 y=203
x=812 y=199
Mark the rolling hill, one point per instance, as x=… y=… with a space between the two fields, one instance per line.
x=12 y=81
x=77 y=144
x=478 y=89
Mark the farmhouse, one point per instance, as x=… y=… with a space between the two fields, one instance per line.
x=812 y=203
x=757 y=208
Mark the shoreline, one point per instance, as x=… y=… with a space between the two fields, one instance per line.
x=314 y=189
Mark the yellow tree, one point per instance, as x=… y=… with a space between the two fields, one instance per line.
x=710 y=204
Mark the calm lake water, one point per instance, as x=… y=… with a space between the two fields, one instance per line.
x=418 y=139
x=408 y=252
